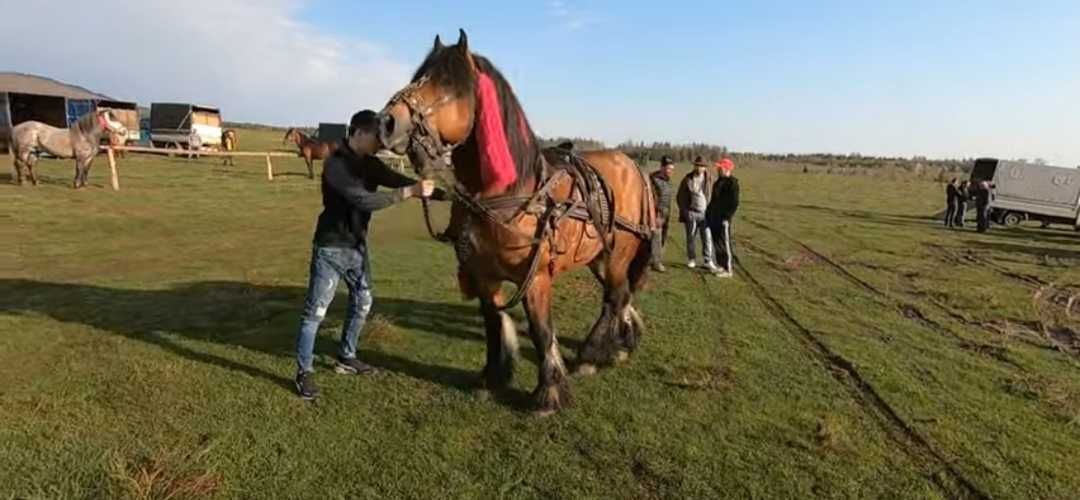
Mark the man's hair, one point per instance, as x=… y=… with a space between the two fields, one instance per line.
x=364 y=121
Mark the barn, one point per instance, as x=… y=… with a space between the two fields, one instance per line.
x=26 y=97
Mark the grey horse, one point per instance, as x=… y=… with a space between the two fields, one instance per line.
x=79 y=141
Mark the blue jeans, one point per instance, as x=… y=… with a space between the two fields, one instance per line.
x=328 y=266
x=695 y=229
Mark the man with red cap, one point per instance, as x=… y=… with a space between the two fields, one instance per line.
x=723 y=204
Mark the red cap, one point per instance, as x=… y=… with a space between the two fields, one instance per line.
x=726 y=165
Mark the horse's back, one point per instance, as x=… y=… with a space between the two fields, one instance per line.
x=630 y=189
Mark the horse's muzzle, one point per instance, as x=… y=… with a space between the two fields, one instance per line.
x=393 y=133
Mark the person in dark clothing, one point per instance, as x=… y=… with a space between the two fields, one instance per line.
x=952 y=199
x=964 y=192
x=983 y=195
x=662 y=192
x=351 y=180
x=722 y=207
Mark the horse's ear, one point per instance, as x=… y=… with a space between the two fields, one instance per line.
x=463 y=41
x=438 y=44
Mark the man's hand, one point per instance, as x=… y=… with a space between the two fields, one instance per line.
x=423 y=189
x=427 y=188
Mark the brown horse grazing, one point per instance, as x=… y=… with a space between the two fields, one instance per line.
x=525 y=215
x=310 y=149
x=230 y=141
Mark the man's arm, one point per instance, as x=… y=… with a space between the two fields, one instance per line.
x=385 y=176
x=352 y=189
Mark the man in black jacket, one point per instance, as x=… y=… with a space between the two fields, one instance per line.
x=350 y=182
x=983 y=195
x=662 y=192
x=952 y=202
x=723 y=204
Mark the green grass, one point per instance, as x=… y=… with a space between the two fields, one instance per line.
x=147 y=336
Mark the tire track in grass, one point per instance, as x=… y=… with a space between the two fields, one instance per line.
x=906 y=309
x=951 y=481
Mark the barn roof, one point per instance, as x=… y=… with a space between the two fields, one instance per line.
x=11 y=81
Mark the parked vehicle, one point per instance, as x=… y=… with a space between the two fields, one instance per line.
x=1025 y=191
x=172 y=124
x=331 y=131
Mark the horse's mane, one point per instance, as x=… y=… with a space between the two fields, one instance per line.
x=449 y=68
x=86 y=123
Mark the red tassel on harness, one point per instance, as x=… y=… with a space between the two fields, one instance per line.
x=497 y=169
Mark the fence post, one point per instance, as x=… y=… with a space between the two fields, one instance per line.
x=269 y=169
x=112 y=169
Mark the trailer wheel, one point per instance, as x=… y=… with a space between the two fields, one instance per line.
x=1012 y=219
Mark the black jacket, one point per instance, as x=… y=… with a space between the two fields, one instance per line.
x=953 y=194
x=982 y=197
x=724 y=201
x=350 y=193
x=663 y=193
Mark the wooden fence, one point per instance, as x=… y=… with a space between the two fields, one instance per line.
x=115 y=175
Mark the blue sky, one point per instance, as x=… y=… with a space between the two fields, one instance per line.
x=942 y=79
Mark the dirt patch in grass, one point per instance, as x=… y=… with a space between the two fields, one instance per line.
x=162 y=475
x=800 y=260
x=701 y=378
x=1055 y=393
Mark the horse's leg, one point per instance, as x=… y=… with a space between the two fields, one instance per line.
x=310 y=163
x=618 y=329
x=16 y=168
x=78 y=174
x=502 y=344
x=553 y=389
x=30 y=164
x=86 y=170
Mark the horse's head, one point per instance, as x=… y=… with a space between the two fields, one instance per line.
x=110 y=124
x=435 y=112
x=290 y=135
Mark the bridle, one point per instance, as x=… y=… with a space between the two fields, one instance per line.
x=423 y=134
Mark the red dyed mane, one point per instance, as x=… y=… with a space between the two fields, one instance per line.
x=497 y=169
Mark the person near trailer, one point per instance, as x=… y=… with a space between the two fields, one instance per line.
x=983 y=195
x=952 y=201
x=693 y=200
x=720 y=214
x=962 y=203
x=662 y=192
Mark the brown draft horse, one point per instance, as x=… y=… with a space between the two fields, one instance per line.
x=525 y=215
x=310 y=149
x=230 y=141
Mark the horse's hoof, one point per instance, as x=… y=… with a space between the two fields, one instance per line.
x=585 y=370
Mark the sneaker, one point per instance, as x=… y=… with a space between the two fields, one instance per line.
x=353 y=366
x=692 y=264
x=710 y=267
x=720 y=273
x=659 y=268
x=305 y=386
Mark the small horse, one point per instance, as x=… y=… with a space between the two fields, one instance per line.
x=525 y=215
x=80 y=141
x=230 y=141
x=310 y=149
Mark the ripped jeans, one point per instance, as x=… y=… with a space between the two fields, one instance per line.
x=328 y=266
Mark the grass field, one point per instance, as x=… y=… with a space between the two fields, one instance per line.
x=862 y=352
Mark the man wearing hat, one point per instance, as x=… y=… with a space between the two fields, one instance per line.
x=693 y=199
x=722 y=207
x=662 y=191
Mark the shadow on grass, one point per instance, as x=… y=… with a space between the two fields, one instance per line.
x=260 y=318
